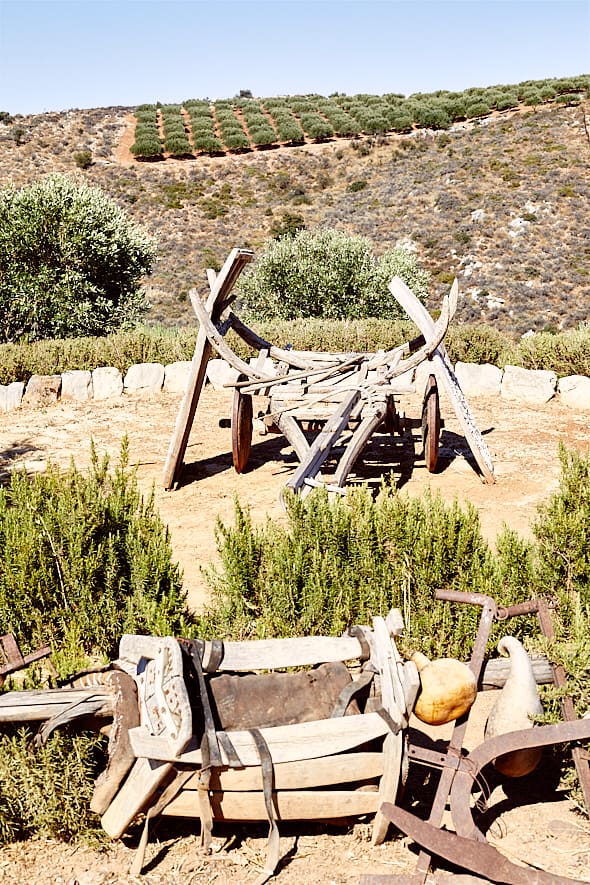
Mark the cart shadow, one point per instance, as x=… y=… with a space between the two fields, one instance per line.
x=400 y=456
x=9 y=456
x=271 y=449
x=385 y=456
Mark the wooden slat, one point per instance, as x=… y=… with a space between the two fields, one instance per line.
x=287 y=743
x=274 y=654
x=290 y=804
x=389 y=784
x=144 y=779
x=496 y=672
x=220 y=290
x=35 y=706
x=445 y=374
x=324 y=772
x=319 y=451
x=356 y=445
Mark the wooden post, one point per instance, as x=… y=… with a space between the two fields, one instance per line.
x=444 y=371
x=219 y=298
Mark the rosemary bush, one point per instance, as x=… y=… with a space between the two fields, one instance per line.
x=339 y=563
x=84 y=559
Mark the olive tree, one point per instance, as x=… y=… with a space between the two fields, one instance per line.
x=71 y=262
x=327 y=274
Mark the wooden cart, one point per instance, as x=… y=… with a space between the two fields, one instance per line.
x=325 y=404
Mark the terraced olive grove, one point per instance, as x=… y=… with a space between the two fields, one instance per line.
x=499 y=201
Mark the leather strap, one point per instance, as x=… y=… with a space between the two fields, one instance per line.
x=212 y=747
x=273 y=845
x=349 y=692
x=181 y=776
x=359 y=634
x=230 y=751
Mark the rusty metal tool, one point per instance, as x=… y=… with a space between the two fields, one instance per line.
x=468 y=847
x=13 y=659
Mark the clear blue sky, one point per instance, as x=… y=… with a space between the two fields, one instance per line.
x=96 y=53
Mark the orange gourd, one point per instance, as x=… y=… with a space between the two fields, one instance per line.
x=448 y=689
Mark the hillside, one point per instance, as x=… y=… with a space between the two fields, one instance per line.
x=502 y=203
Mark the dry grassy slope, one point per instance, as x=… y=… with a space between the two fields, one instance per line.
x=503 y=204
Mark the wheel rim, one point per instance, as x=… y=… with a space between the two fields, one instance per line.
x=431 y=423
x=241 y=428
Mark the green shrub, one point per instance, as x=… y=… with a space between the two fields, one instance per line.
x=84 y=559
x=356 y=186
x=479 y=344
x=567 y=353
x=562 y=532
x=340 y=563
x=47 y=792
x=83 y=159
x=327 y=274
x=71 y=262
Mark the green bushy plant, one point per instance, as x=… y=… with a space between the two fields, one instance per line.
x=566 y=353
x=328 y=274
x=71 y=262
x=84 y=559
x=339 y=563
x=46 y=791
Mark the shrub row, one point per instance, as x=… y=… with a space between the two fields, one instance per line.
x=317 y=117
x=566 y=353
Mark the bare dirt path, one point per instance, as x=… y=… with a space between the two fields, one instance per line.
x=523 y=442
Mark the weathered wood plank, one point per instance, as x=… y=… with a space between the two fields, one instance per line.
x=290 y=804
x=275 y=654
x=389 y=783
x=305 y=774
x=144 y=779
x=496 y=672
x=35 y=706
x=444 y=371
x=320 y=449
x=287 y=743
x=220 y=290
x=359 y=439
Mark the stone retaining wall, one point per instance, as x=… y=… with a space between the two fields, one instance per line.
x=531 y=386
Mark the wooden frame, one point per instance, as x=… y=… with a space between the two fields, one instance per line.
x=350 y=395
x=326 y=768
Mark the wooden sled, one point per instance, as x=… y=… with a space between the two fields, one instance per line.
x=342 y=397
x=343 y=766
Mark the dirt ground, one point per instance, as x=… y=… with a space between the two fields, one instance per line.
x=538 y=826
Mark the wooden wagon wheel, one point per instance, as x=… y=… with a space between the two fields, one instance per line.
x=431 y=423
x=241 y=427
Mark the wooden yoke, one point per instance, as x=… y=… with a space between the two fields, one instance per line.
x=219 y=299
